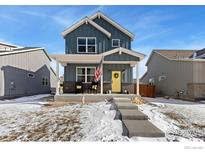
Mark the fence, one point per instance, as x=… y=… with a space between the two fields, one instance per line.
x=147 y=90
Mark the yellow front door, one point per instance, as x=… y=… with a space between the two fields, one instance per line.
x=116 y=81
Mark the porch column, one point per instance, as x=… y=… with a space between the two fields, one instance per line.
x=101 y=84
x=137 y=77
x=57 y=77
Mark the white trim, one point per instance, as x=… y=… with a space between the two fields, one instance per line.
x=99 y=28
x=57 y=78
x=118 y=42
x=83 y=21
x=86 y=44
x=137 y=78
x=120 y=62
x=101 y=15
x=86 y=67
x=10 y=45
x=127 y=51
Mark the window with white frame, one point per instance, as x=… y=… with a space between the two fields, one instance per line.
x=85 y=74
x=115 y=42
x=86 y=44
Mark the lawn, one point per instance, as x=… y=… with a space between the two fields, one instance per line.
x=31 y=119
x=37 y=118
x=180 y=120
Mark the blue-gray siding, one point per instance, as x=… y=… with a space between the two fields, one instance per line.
x=70 y=71
x=86 y=30
x=120 y=57
x=103 y=42
x=125 y=41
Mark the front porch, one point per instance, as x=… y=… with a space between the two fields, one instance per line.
x=126 y=88
x=119 y=61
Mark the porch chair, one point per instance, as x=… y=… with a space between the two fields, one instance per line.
x=78 y=87
x=93 y=87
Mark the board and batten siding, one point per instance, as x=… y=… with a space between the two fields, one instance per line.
x=70 y=71
x=177 y=73
x=125 y=41
x=86 y=30
x=103 y=42
x=15 y=67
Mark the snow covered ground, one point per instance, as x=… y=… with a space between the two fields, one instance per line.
x=29 y=119
x=180 y=120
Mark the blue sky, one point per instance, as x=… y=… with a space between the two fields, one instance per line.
x=155 y=27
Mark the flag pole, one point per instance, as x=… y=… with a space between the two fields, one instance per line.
x=101 y=78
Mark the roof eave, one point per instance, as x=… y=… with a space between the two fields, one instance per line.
x=125 y=31
x=83 y=21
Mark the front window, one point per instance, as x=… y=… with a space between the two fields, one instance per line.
x=86 y=45
x=115 y=42
x=85 y=74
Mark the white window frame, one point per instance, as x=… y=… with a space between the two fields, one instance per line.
x=76 y=74
x=86 y=44
x=115 y=40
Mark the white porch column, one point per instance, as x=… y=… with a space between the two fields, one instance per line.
x=101 y=84
x=137 y=77
x=57 y=77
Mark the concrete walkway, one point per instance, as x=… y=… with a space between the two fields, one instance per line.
x=135 y=123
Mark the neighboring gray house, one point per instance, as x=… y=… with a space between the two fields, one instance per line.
x=175 y=71
x=90 y=40
x=24 y=71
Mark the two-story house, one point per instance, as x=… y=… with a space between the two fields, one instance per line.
x=90 y=40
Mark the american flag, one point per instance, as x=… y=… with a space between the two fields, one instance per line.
x=99 y=71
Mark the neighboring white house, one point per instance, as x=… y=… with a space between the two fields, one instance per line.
x=24 y=71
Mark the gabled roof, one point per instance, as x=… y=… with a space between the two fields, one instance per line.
x=124 y=50
x=23 y=50
x=112 y=22
x=9 y=45
x=85 y=21
x=172 y=54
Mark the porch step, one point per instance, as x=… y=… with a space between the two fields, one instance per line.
x=122 y=99
x=131 y=114
x=121 y=105
x=142 y=128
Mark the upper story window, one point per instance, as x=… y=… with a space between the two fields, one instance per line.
x=115 y=42
x=86 y=44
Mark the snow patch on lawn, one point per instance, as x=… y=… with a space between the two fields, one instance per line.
x=28 y=120
x=180 y=120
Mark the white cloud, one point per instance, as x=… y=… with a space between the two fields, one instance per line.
x=65 y=17
x=34 y=13
x=151 y=24
x=9 y=18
